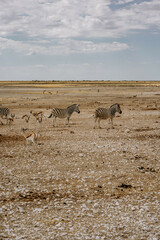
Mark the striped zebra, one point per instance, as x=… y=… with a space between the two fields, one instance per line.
x=4 y=112
x=104 y=113
x=63 y=113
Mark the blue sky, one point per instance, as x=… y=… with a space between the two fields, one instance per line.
x=80 y=40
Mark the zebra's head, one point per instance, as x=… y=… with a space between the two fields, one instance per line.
x=115 y=108
x=73 y=108
x=118 y=109
x=77 y=108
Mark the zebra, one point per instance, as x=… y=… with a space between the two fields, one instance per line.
x=104 y=113
x=64 y=113
x=4 y=112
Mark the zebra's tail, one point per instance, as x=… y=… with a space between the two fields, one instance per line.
x=50 y=115
x=95 y=115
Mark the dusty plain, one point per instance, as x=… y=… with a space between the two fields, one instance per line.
x=78 y=182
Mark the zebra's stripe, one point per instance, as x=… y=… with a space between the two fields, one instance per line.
x=4 y=112
x=64 y=113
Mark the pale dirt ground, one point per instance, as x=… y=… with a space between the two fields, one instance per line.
x=79 y=182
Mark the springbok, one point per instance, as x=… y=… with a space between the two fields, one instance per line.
x=10 y=119
x=30 y=136
x=26 y=117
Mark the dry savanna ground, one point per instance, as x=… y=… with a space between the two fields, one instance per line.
x=78 y=182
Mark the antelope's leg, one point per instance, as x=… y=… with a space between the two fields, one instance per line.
x=1 y=122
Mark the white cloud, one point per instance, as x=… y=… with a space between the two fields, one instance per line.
x=59 y=22
x=124 y=1
x=73 y=18
x=62 y=47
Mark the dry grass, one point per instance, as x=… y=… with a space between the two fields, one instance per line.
x=57 y=84
x=77 y=182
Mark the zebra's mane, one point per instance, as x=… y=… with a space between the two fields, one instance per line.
x=72 y=105
x=114 y=105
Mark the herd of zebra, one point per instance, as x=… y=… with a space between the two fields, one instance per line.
x=100 y=113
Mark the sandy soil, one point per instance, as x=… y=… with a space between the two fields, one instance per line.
x=78 y=182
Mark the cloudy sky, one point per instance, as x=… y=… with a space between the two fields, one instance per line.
x=79 y=40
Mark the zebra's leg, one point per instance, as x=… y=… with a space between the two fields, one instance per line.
x=99 y=123
x=109 y=122
x=112 y=123
x=54 y=121
x=66 y=121
x=95 y=120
